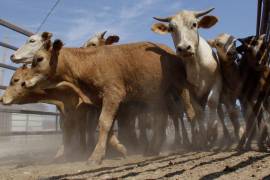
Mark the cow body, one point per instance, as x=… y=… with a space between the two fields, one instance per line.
x=143 y=72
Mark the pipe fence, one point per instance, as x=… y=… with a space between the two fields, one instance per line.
x=20 y=121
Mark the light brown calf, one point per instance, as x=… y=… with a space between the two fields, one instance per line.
x=143 y=72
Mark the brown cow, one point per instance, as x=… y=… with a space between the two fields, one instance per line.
x=227 y=54
x=113 y=75
x=254 y=72
x=66 y=100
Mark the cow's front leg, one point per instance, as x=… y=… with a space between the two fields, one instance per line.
x=109 y=108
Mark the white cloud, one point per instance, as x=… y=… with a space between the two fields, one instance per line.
x=126 y=20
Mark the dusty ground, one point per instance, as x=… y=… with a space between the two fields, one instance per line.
x=174 y=165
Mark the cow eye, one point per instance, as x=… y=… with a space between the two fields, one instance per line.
x=23 y=84
x=93 y=44
x=218 y=44
x=194 y=25
x=39 y=59
x=15 y=80
x=31 y=40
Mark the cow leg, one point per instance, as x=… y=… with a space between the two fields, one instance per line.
x=110 y=106
x=226 y=134
x=193 y=111
x=263 y=137
x=159 y=135
x=82 y=131
x=158 y=125
x=142 y=123
x=114 y=142
x=126 y=127
x=250 y=123
x=92 y=122
x=186 y=142
x=61 y=150
x=177 y=138
x=234 y=117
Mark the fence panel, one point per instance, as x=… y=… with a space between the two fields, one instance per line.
x=16 y=121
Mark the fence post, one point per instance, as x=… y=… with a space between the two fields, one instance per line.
x=56 y=123
x=27 y=122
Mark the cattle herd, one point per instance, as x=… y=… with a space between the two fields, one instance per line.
x=142 y=85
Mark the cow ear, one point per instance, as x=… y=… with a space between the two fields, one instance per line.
x=211 y=42
x=112 y=39
x=160 y=28
x=47 y=45
x=262 y=36
x=207 y=21
x=57 y=45
x=46 y=36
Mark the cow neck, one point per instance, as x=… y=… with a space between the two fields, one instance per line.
x=202 y=68
x=69 y=67
x=192 y=70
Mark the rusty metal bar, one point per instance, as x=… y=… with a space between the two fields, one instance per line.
x=259 y=14
x=7 y=67
x=15 y=28
x=265 y=16
x=6 y=45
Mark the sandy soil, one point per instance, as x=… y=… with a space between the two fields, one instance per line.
x=180 y=165
x=30 y=157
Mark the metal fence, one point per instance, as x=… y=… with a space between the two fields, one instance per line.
x=19 y=121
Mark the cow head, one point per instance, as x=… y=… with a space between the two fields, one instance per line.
x=35 y=42
x=44 y=63
x=184 y=29
x=254 y=49
x=225 y=45
x=99 y=40
x=17 y=88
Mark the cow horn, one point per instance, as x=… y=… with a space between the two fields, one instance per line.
x=202 y=13
x=103 y=34
x=167 y=19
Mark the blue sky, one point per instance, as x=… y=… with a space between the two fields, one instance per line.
x=75 y=21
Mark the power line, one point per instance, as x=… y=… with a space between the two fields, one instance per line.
x=49 y=13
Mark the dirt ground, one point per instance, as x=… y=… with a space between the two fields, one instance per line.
x=173 y=165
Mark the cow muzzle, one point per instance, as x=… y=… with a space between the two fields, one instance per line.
x=185 y=51
x=6 y=100
x=19 y=60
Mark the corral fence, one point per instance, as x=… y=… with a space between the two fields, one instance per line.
x=16 y=120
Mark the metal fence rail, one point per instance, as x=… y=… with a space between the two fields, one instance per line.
x=29 y=112
x=26 y=116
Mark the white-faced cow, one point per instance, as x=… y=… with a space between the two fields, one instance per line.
x=202 y=68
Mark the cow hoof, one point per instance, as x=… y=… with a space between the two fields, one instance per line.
x=95 y=159
x=92 y=162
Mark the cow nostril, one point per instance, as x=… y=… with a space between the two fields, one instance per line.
x=189 y=47
x=23 y=84
x=179 y=49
